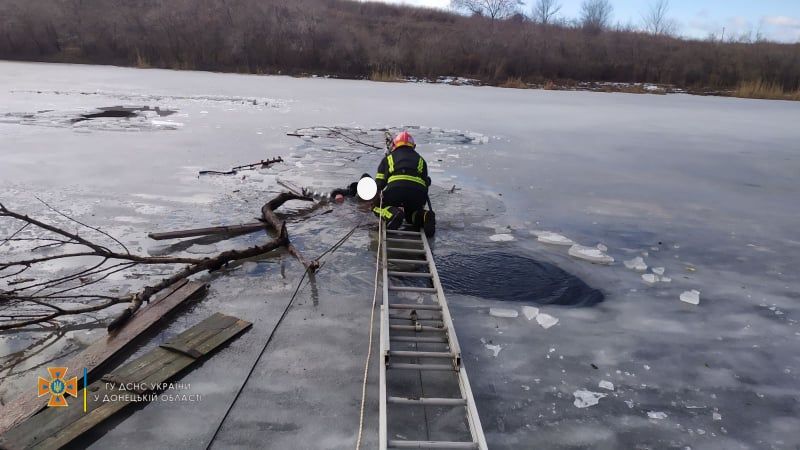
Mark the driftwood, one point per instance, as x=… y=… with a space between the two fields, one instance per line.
x=194 y=232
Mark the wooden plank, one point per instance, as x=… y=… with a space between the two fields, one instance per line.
x=226 y=229
x=97 y=354
x=56 y=427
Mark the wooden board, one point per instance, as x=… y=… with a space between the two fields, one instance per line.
x=54 y=428
x=226 y=229
x=104 y=349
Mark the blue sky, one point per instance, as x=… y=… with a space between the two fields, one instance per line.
x=775 y=19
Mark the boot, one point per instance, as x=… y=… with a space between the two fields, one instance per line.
x=429 y=223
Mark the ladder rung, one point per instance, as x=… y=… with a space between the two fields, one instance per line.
x=403 y=232
x=431 y=444
x=408 y=354
x=412 y=289
x=421 y=262
x=423 y=339
x=418 y=319
x=394 y=273
x=421 y=328
x=405 y=366
x=404 y=241
x=412 y=306
x=428 y=401
x=410 y=251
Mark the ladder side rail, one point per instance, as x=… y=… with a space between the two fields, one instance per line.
x=383 y=436
x=474 y=420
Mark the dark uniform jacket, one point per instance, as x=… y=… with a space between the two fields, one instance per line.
x=403 y=168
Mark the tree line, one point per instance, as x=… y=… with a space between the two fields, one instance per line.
x=355 y=39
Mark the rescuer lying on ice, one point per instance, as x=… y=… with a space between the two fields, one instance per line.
x=403 y=183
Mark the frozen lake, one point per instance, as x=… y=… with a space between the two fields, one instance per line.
x=596 y=356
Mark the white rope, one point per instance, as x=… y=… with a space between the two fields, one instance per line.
x=371 y=327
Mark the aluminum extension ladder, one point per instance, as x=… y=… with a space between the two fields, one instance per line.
x=408 y=269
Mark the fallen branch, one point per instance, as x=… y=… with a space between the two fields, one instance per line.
x=263 y=164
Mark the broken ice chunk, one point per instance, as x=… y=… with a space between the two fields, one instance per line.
x=692 y=297
x=494 y=348
x=548 y=237
x=716 y=416
x=501 y=238
x=658 y=270
x=590 y=254
x=649 y=278
x=658 y=415
x=506 y=313
x=530 y=312
x=585 y=399
x=636 y=264
x=546 y=320
x=606 y=385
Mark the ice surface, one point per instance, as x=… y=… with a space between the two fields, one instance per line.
x=604 y=384
x=585 y=399
x=530 y=312
x=546 y=320
x=692 y=297
x=636 y=264
x=549 y=237
x=658 y=415
x=590 y=254
x=502 y=312
x=501 y=238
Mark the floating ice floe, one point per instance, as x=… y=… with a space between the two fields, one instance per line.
x=606 y=385
x=658 y=270
x=585 y=399
x=501 y=238
x=530 y=312
x=716 y=416
x=636 y=264
x=602 y=247
x=494 y=348
x=546 y=320
x=657 y=415
x=692 y=297
x=505 y=313
x=590 y=254
x=548 y=237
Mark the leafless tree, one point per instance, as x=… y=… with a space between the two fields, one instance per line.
x=656 y=20
x=545 y=11
x=494 y=9
x=596 y=14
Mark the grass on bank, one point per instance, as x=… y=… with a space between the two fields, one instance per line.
x=386 y=75
x=765 y=90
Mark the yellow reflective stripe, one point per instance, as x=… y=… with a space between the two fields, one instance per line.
x=380 y=176
x=390 y=160
x=385 y=213
x=420 y=165
x=394 y=178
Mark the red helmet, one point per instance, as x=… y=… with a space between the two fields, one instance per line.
x=403 y=139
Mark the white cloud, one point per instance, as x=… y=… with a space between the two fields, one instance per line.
x=782 y=21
